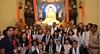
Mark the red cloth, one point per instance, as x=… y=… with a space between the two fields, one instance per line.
x=82 y=11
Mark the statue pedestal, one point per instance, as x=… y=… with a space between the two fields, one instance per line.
x=49 y=21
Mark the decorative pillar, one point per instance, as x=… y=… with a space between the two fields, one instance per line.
x=35 y=12
x=66 y=20
x=67 y=11
x=81 y=20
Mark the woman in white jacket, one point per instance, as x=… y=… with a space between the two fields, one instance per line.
x=72 y=36
x=84 y=38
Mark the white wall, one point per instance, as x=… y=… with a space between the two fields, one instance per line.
x=7 y=13
x=91 y=11
x=99 y=14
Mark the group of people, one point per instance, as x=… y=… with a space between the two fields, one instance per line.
x=41 y=39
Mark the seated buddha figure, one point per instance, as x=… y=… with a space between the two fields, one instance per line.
x=50 y=16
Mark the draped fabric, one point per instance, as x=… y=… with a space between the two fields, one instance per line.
x=18 y=14
x=66 y=20
x=35 y=11
x=67 y=11
x=18 y=11
x=82 y=12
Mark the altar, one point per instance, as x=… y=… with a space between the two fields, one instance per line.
x=49 y=11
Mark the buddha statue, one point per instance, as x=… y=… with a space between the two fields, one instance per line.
x=50 y=16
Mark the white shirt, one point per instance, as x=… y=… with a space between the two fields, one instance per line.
x=77 y=50
x=35 y=48
x=58 y=48
x=53 y=29
x=74 y=37
x=82 y=38
x=67 y=48
x=87 y=38
x=39 y=37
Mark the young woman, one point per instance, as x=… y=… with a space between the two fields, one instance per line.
x=52 y=46
x=82 y=36
x=40 y=47
x=29 y=37
x=80 y=27
x=34 y=47
x=40 y=35
x=46 y=40
x=56 y=35
x=72 y=36
x=16 y=38
x=31 y=30
x=59 y=47
x=67 y=46
x=84 y=40
x=64 y=37
x=89 y=26
x=35 y=30
x=24 y=42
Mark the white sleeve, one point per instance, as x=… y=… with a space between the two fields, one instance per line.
x=87 y=39
x=32 y=48
x=75 y=37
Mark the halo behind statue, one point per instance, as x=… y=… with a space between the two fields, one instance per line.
x=50 y=14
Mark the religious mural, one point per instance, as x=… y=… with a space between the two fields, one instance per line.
x=51 y=11
x=50 y=1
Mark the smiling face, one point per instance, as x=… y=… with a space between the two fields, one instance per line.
x=27 y=31
x=65 y=35
x=70 y=32
x=81 y=25
x=10 y=32
x=55 y=33
x=58 y=42
x=31 y=27
x=27 y=27
x=66 y=42
x=54 y=24
x=24 y=35
x=94 y=28
x=75 y=44
x=40 y=31
x=35 y=28
x=35 y=43
x=48 y=32
x=16 y=31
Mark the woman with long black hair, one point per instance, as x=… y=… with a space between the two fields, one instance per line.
x=24 y=42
